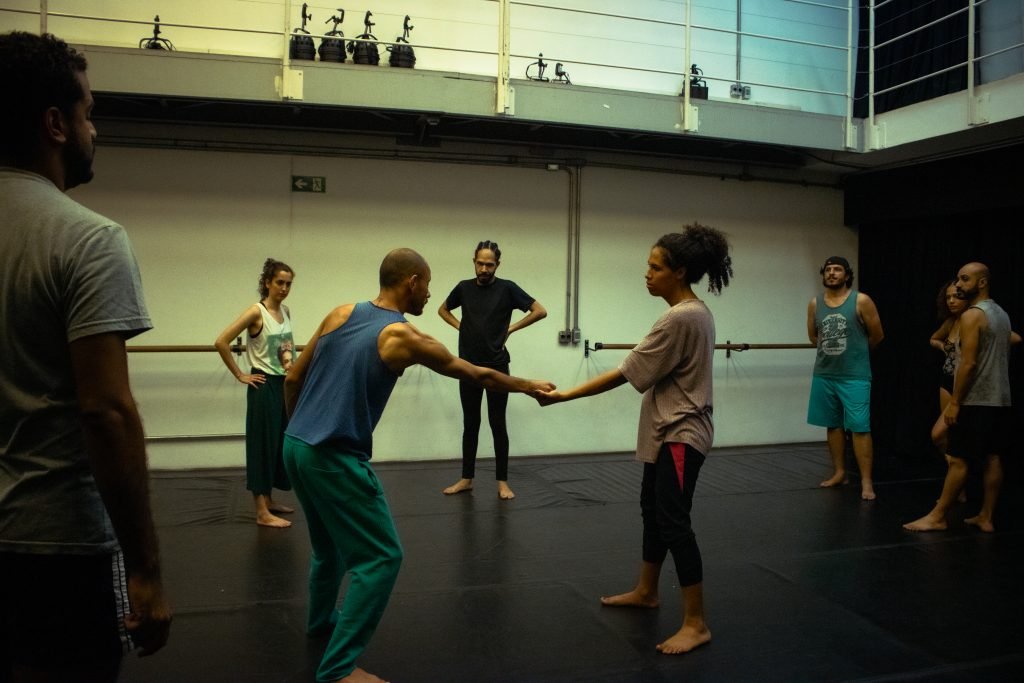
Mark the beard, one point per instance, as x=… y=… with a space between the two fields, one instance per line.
x=77 y=156
x=841 y=284
x=967 y=295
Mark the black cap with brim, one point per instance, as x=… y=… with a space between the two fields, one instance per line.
x=837 y=261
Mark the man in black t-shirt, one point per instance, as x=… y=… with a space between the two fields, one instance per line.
x=487 y=303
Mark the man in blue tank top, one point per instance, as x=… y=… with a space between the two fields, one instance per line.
x=978 y=413
x=335 y=394
x=844 y=324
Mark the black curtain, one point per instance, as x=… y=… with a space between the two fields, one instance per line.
x=917 y=226
x=924 y=52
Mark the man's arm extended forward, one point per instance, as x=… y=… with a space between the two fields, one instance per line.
x=402 y=345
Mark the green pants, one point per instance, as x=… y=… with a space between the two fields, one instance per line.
x=265 y=422
x=350 y=530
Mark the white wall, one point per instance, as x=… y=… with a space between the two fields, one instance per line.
x=202 y=223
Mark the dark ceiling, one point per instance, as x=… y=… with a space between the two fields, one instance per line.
x=424 y=130
x=428 y=129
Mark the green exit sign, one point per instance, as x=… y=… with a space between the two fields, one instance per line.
x=309 y=183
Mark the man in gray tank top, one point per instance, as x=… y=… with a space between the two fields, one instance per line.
x=978 y=414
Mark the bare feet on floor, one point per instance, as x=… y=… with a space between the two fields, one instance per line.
x=837 y=479
x=631 y=599
x=360 y=676
x=504 y=492
x=867 y=491
x=927 y=523
x=279 y=508
x=983 y=523
x=688 y=638
x=272 y=521
x=459 y=486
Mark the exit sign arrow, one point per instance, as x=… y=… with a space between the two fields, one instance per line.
x=309 y=183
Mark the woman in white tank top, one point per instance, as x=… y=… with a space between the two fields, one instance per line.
x=270 y=349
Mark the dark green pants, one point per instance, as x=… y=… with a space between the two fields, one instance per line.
x=265 y=422
x=350 y=530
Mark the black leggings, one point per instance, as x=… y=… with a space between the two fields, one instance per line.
x=471 y=396
x=666 y=497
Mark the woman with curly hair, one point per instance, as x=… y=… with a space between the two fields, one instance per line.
x=950 y=303
x=672 y=367
x=269 y=349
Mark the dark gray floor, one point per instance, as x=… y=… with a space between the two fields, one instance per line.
x=801 y=584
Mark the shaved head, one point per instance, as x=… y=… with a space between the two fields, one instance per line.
x=399 y=264
x=976 y=269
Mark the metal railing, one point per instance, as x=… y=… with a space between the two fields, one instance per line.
x=715 y=40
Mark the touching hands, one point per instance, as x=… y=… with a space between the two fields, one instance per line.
x=548 y=397
x=538 y=386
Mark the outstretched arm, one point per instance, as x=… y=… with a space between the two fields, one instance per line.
x=597 y=385
x=402 y=345
x=117 y=453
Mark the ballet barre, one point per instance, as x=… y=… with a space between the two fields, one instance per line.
x=235 y=348
x=728 y=347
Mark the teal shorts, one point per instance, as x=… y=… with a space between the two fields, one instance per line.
x=837 y=402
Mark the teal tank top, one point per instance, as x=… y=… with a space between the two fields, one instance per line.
x=347 y=384
x=842 y=340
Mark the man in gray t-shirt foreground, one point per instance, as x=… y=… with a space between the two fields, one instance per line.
x=76 y=530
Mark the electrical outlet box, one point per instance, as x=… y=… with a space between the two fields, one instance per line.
x=736 y=90
x=576 y=336
x=746 y=92
x=564 y=336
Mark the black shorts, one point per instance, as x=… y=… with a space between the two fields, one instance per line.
x=63 y=613
x=980 y=431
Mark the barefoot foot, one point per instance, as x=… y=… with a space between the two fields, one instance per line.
x=983 y=523
x=504 y=492
x=927 y=523
x=459 y=486
x=279 y=508
x=631 y=599
x=360 y=676
x=272 y=521
x=867 y=491
x=688 y=638
x=837 y=479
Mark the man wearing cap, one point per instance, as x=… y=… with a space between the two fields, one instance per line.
x=844 y=324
